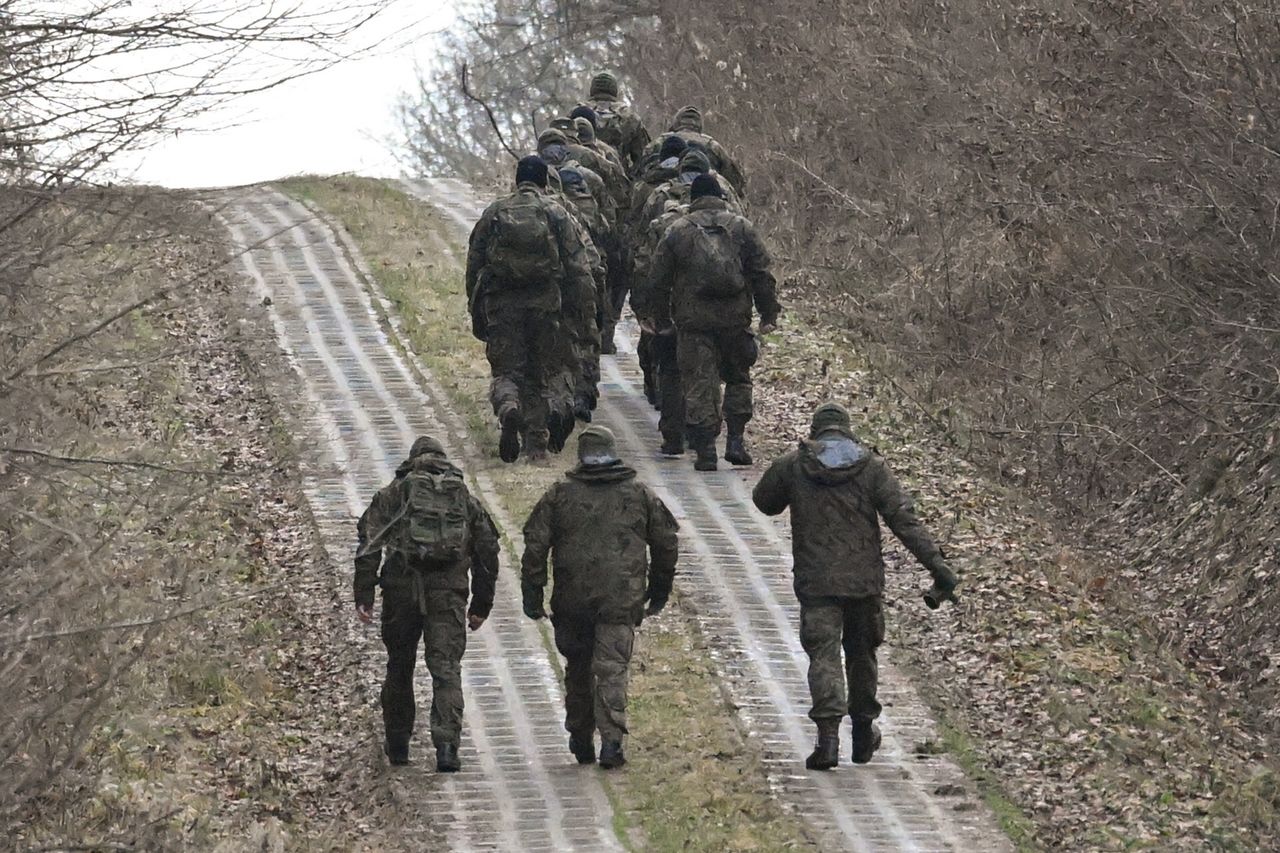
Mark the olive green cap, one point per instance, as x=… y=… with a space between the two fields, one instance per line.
x=830 y=416
x=597 y=446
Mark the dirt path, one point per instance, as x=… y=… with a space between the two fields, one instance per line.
x=519 y=789
x=735 y=571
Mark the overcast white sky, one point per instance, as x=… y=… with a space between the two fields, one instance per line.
x=338 y=120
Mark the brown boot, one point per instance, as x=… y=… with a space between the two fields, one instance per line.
x=826 y=752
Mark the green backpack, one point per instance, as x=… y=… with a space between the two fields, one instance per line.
x=714 y=254
x=432 y=525
x=608 y=123
x=523 y=251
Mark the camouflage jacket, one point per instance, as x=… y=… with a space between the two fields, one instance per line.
x=674 y=285
x=612 y=177
x=398 y=578
x=721 y=160
x=631 y=138
x=611 y=541
x=642 y=257
x=483 y=293
x=838 y=490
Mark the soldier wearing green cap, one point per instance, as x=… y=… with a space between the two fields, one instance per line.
x=612 y=545
x=838 y=489
x=425 y=541
x=616 y=123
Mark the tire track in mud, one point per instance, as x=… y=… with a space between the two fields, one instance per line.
x=366 y=401
x=735 y=571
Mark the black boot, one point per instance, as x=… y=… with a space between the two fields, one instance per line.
x=735 y=445
x=866 y=740
x=582 y=406
x=583 y=747
x=705 y=446
x=672 y=445
x=735 y=450
x=397 y=749
x=447 y=758
x=611 y=754
x=512 y=423
x=826 y=752
x=559 y=428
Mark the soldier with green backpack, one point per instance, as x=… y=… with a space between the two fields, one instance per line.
x=426 y=542
x=709 y=270
x=526 y=266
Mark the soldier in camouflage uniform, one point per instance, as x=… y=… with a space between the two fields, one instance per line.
x=427 y=602
x=555 y=150
x=687 y=125
x=612 y=545
x=583 y=322
x=708 y=271
x=838 y=489
x=519 y=320
x=662 y=167
x=616 y=124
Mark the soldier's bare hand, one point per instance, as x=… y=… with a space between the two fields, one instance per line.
x=474 y=622
x=364 y=612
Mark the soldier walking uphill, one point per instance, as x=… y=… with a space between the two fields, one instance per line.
x=838 y=490
x=707 y=272
x=525 y=264
x=616 y=124
x=613 y=548
x=418 y=540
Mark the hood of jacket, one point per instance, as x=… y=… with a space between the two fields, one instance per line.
x=614 y=473
x=432 y=463
x=833 y=458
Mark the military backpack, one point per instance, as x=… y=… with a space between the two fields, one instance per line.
x=431 y=529
x=714 y=253
x=608 y=124
x=523 y=251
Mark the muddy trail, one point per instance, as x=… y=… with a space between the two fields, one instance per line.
x=366 y=396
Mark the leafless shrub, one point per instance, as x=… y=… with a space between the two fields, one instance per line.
x=98 y=488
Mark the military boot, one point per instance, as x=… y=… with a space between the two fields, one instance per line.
x=826 y=752
x=512 y=422
x=535 y=448
x=559 y=428
x=735 y=444
x=672 y=445
x=583 y=747
x=396 y=747
x=582 y=406
x=447 y=758
x=866 y=740
x=611 y=755
x=704 y=445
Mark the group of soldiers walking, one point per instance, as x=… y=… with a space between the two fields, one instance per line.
x=600 y=211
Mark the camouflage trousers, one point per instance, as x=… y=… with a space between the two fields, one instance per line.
x=617 y=285
x=585 y=361
x=857 y=626
x=597 y=659
x=443 y=630
x=526 y=352
x=708 y=359
x=671 y=418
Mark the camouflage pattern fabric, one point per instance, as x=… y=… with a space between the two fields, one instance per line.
x=856 y=626
x=672 y=418
x=838 y=490
x=484 y=289
x=444 y=634
x=525 y=350
x=626 y=132
x=610 y=540
x=675 y=286
x=708 y=359
x=400 y=580
x=597 y=660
